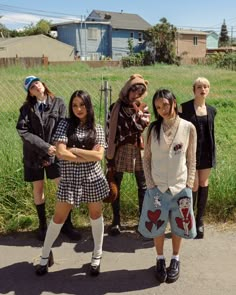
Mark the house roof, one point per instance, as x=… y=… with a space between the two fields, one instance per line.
x=9 y=41
x=191 y=32
x=211 y=32
x=119 y=20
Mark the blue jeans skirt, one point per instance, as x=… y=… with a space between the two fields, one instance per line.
x=160 y=208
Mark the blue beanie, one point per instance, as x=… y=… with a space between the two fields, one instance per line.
x=28 y=81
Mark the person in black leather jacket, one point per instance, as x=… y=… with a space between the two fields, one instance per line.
x=37 y=122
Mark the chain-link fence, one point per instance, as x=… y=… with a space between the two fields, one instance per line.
x=104 y=85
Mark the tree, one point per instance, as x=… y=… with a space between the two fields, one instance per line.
x=161 y=37
x=4 y=32
x=42 y=27
x=224 y=38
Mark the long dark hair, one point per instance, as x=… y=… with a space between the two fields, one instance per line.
x=90 y=120
x=161 y=93
x=32 y=99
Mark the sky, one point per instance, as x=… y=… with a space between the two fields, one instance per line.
x=186 y=14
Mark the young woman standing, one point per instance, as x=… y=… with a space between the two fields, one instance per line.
x=202 y=116
x=169 y=166
x=80 y=145
x=37 y=123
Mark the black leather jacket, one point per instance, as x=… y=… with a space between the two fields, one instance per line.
x=37 y=131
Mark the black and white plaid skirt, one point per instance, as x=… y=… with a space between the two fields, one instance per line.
x=82 y=182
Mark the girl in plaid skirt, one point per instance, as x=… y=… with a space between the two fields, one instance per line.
x=80 y=146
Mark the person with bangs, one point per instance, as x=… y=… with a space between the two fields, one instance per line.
x=127 y=119
x=36 y=125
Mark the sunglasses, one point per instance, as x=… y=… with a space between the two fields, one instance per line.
x=138 y=88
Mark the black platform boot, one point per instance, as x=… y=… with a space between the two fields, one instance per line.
x=42 y=221
x=69 y=230
x=201 y=206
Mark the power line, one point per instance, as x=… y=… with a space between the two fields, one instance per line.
x=40 y=12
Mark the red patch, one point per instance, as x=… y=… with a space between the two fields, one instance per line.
x=153 y=216
x=149 y=225
x=159 y=223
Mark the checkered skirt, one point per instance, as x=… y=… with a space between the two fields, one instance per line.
x=81 y=182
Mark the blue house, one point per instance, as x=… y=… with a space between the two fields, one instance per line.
x=103 y=34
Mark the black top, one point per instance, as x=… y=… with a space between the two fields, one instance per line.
x=205 y=135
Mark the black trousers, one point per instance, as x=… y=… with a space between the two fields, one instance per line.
x=141 y=184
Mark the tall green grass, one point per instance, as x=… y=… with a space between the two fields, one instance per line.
x=17 y=211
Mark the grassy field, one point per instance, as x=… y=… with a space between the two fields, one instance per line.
x=17 y=211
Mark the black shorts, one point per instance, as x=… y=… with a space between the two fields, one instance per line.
x=34 y=174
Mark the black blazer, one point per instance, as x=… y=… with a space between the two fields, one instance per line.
x=189 y=114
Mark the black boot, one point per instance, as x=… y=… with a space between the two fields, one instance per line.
x=115 y=229
x=69 y=230
x=42 y=221
x=141 y=194
x=201 y=206
x=141 y=183
x=194 y=199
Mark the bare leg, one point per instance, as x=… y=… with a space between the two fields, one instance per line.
x=176 y=243
x=159 y=244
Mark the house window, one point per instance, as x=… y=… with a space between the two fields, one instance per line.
x=140 y=37
x=92 y=33
x=132 y=35
x=195 y=39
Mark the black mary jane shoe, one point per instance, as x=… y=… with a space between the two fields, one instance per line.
x=95 y=268
x=41 y=270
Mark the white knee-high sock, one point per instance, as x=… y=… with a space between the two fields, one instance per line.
x=52 y=233
x=97 y=232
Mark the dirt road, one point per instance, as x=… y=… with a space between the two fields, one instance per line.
x=208 y=267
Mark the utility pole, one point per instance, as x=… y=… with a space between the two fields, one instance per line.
x=232 y=35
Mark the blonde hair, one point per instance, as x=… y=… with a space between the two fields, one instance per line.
x=201 y=80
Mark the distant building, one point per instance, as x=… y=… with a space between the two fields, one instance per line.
x=103 y=34
x=36 y=46
x=212 y=40
x=190 y=45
